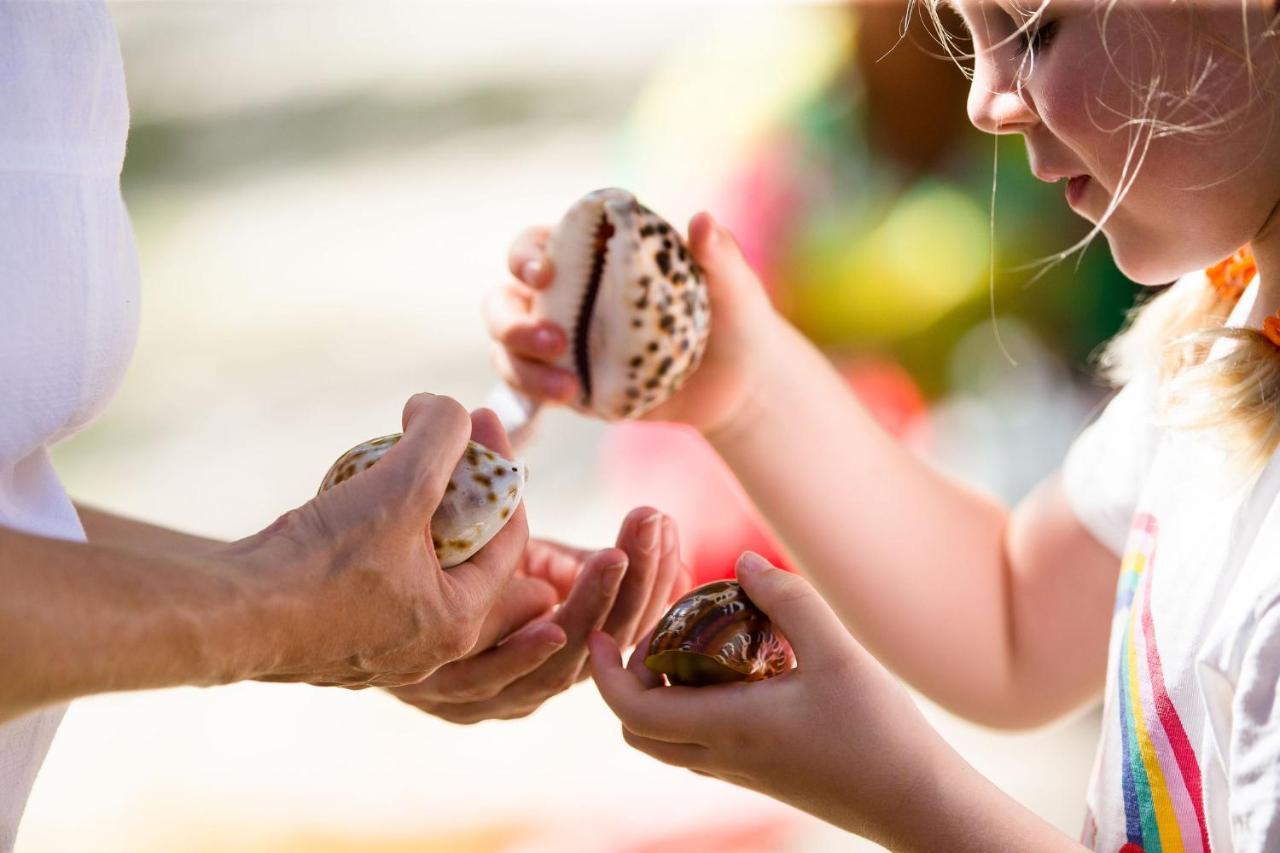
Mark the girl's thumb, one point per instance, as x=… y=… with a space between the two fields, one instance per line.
x=728 y=275
x=805 y=619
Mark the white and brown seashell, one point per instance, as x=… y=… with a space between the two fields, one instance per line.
x=483 y=492
x=632 y=301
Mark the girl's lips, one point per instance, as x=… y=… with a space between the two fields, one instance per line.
x=1075 y=189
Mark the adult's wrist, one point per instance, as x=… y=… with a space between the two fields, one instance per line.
x=250 y=631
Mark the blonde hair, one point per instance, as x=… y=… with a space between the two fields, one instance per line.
x=1212 y=379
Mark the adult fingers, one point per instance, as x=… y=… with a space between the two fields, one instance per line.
x=415 y=472
x=666 y=583
x=557 y=564
x=584 y=610
x=477 y=583
x=486 y=675
x=486 y=429
x=527 y=257
x=805 y=619
x=523 y=600
x=641 y=538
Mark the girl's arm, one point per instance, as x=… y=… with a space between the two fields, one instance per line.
x=1000 y=616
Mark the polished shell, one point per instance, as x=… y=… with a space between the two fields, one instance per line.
x=715 y=634
x=483 y=492
x=631 y=299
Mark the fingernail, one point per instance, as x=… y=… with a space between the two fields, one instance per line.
x=668 y=535
x=549 y=642
x=545 y=340
x=611 y=574
x=649 y=532
x=529 y=272
x=751 y=563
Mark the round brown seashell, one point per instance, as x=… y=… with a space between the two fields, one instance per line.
x=630 y=298
x=483 y=492
x=715 y=635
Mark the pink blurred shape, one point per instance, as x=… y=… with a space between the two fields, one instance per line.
x=671 y=467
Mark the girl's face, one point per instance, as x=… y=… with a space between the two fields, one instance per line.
x=1171 y=109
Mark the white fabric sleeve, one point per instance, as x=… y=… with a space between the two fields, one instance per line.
x=1254 y=758
x=1106 y=466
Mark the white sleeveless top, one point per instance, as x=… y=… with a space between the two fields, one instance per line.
x=68 y=283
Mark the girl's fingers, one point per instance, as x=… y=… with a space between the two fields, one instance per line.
x=690 y=755
x=527 y=258
x=671 y=714
x=508 y=320
x=537 y=380
x=805 y=619
x=647 y=677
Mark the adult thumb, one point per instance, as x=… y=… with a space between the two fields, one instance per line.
x=805 y=619
x=411 y=478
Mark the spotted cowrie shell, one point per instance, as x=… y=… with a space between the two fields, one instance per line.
x=716 y=634
x=631 y=299
x=482 y=494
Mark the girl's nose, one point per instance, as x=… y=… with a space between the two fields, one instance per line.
x=998 y=105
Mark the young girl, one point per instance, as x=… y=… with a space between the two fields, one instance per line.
x=1160 y=532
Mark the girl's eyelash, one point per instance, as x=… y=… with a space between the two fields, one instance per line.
x=1036 y=38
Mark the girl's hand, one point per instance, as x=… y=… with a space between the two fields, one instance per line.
x=347 y=588
x=622 y=590
x=837 y=736
x=741 y=319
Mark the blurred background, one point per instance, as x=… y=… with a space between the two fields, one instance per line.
x=323 y=191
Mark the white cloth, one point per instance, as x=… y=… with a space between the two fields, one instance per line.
x=1189 y=757
x=68 y=283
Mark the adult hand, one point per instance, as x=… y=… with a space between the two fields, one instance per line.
x=622 y=590
x=348 y=587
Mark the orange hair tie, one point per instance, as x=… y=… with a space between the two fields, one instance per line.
x=1230 y=277
x=1271 y=328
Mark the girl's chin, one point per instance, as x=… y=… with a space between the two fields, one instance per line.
x=1146 y=264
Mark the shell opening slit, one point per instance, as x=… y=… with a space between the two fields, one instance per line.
x=582 y=326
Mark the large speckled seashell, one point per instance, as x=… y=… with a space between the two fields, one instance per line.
x=632 y=301
x=714 y=635
x=482 y=494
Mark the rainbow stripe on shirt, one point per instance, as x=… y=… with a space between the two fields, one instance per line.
x=1163 y=797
